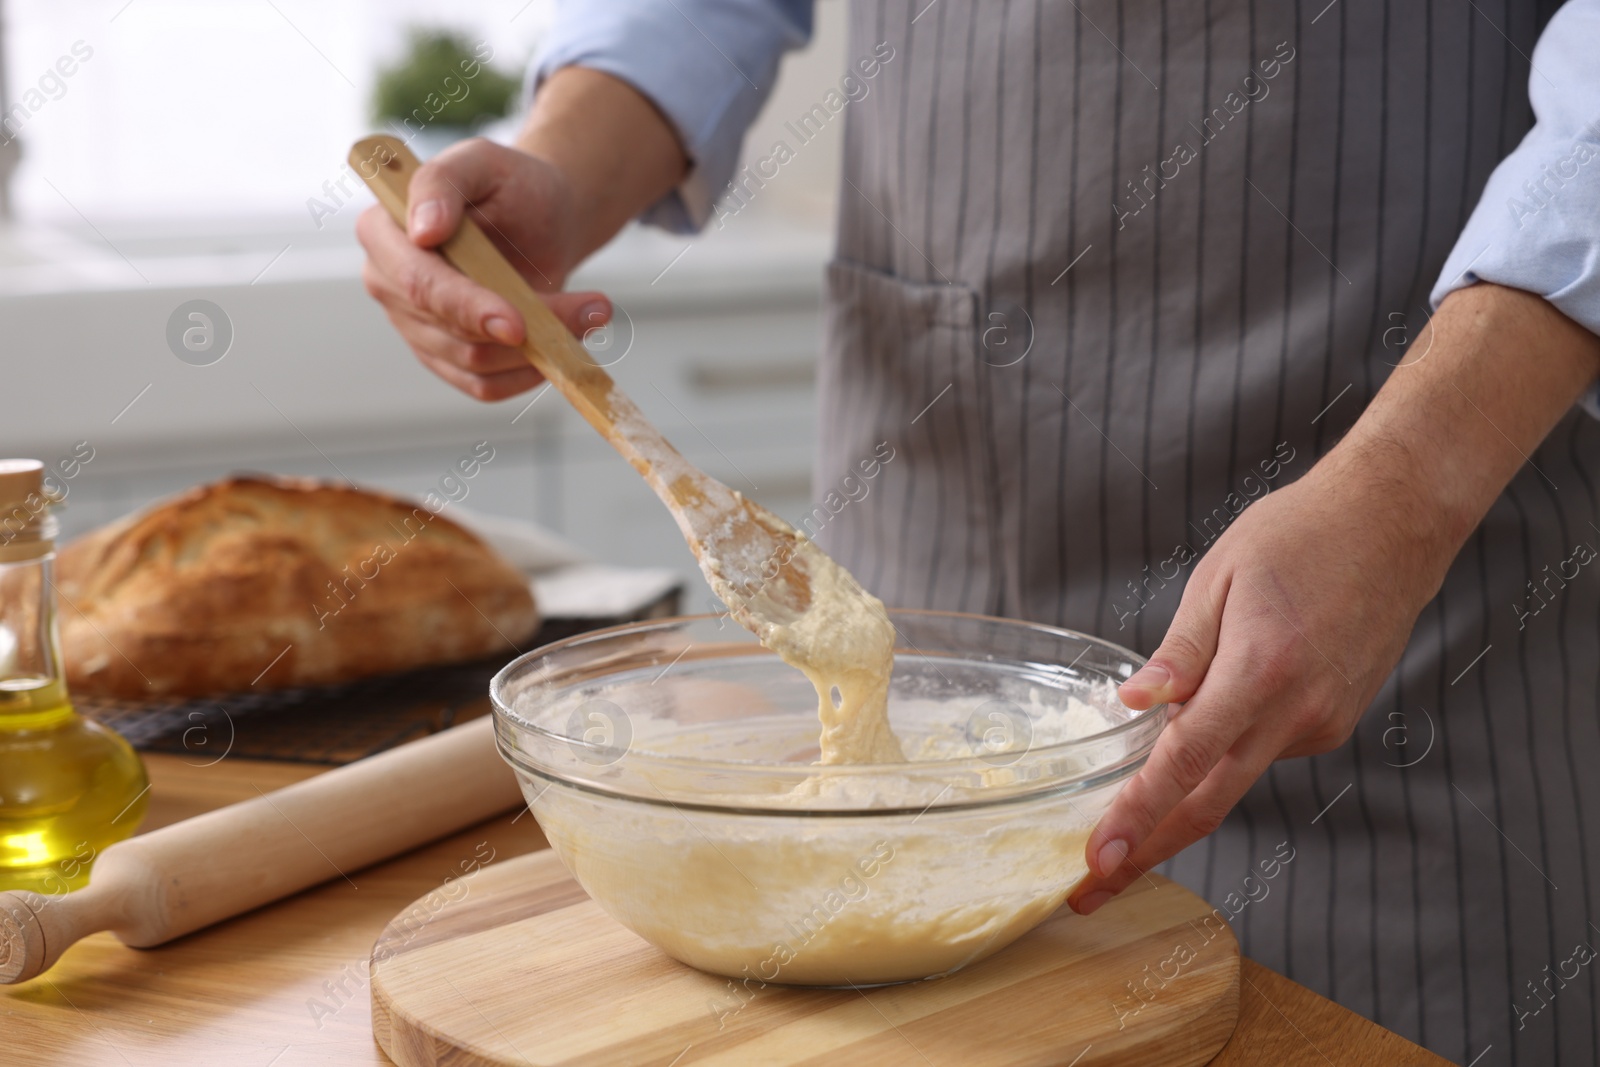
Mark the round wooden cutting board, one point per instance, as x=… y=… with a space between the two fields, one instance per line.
x=516 y=965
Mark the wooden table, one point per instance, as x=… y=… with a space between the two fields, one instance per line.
x=287 y=985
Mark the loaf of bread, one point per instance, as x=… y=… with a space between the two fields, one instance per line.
x=259 y=583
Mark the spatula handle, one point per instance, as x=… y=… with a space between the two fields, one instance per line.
x=386 y=165
x=699 y=504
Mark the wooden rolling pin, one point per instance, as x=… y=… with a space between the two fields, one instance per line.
x=173 y=881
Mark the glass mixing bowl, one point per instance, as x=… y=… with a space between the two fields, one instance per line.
x=670 y=764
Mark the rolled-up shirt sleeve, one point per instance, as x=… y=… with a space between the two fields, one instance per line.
x=708 y=65
x=1537 y=226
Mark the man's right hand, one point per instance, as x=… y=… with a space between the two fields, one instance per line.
x=461 y=331
x=593 y=154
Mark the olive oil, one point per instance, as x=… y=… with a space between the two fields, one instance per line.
x=68 y=787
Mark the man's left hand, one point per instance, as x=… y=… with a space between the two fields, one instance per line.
x=1290 y=624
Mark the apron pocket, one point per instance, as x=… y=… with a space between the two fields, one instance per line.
x=901 y=395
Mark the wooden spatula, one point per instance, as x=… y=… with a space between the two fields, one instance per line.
x=745 y=551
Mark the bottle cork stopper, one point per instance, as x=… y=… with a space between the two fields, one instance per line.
x=20 y=479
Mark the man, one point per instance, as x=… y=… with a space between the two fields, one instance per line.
x=1212 y=226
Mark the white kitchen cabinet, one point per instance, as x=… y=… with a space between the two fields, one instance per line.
x=722 y=357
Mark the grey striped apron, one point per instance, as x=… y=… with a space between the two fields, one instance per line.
x=1089 y=348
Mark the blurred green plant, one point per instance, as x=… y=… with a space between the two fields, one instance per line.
x=443 y=80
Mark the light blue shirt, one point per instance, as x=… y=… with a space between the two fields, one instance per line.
x=1537 y=225
x=709 y=65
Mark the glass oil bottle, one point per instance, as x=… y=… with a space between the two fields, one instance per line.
x=69 y=787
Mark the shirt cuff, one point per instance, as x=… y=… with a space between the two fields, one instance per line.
x=1537 y=225
x=708 y=65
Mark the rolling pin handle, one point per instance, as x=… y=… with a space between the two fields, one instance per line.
x=36 y=929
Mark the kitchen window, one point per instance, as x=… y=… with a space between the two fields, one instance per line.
x=146 y=117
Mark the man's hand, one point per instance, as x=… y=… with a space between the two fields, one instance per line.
x=1290 y=624
x=593 y=155
x=459 y=330
x=1287 y=629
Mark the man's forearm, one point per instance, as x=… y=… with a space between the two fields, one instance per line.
x=1472 y=399
x=618 y=152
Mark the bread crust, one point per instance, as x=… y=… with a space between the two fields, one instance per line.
x=262 y=582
